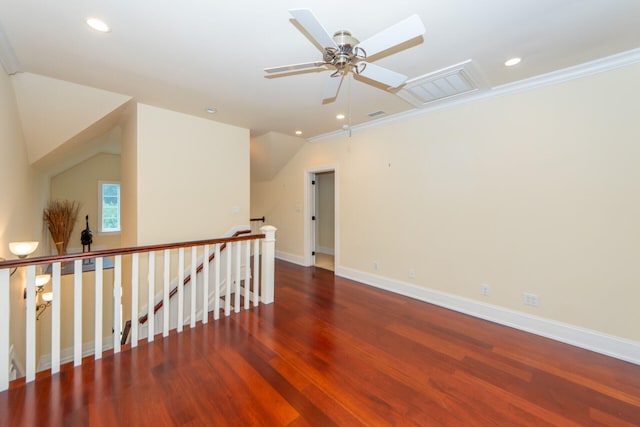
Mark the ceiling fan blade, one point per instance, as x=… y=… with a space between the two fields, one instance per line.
x=332 y=87
x=399 y=33
x=310 y=23
x=294 y=67
x=382 y=75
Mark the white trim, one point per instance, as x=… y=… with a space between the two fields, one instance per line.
x=294 y=259
x=66 y=355
x=601 y=65
x=599 y=342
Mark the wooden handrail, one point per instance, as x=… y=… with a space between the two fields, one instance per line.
x=125 y=251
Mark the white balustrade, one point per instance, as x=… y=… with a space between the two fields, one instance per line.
x=233 y=272
x=135 y=258
x=97 y=340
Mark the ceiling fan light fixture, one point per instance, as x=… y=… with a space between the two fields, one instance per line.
x=98 y=25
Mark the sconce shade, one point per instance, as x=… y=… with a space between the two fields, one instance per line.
x=47 y=297
x=42 y=279
x=23 y=249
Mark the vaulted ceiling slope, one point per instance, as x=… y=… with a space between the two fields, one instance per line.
x=190 y=55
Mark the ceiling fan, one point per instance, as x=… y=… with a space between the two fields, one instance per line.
x=345 y=53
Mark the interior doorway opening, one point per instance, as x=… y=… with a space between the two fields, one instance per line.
x=324 y=224
x=321 y=248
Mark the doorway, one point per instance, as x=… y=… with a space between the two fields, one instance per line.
x=324 y=229
x=322 y=226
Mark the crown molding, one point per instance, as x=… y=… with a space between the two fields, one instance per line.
x=575 y=72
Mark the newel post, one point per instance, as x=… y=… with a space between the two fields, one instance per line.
x=268 y=262
x=5 y=314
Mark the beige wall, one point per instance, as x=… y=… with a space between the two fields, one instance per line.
x=80 y=183
x=20 y=202
x=54 y=111
x=536 y=192
x=129 y=177
x=192 y=177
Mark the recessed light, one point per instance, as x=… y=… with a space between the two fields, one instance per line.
x=98 y=25
x=513 y=61
x=211 y=110
x=298 y=132
x=340 y=117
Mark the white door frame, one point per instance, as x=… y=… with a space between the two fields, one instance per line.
x=309 y=202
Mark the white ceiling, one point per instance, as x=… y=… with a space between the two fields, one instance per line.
x=191 y=54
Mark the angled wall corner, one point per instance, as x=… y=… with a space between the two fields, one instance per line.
x=53 y=111
x=270 y=152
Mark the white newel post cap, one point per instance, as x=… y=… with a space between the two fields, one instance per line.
x=269 y=232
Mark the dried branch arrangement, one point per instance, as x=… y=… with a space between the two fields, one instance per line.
x=61 y=216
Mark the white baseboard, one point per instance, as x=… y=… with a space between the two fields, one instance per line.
x=294 y=259
x=599 y=342
x=66 y=355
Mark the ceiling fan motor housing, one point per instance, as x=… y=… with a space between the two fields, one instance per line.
x=345 y=53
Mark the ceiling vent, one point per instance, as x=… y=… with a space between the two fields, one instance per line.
x=376 y=114
x=442 y=84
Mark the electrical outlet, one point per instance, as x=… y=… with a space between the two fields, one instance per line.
x=375 y=265
x=412 y=273
x=485 y=290
x=530 y=299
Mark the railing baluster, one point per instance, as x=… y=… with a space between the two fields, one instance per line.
x=268 y=255
x=5 y=327
x=216 y=289
x=134 y=299
x=205 y=285
x=55 y=317
x=180 y=289
x=97 y=349
x=165 y=296
x=227 y=295
x=117 y=303
x=256 y=272
x=77 y=312
x=236 y=300
x=31 y=324
x=151 y=297
x=194 y=286
x=247 y=275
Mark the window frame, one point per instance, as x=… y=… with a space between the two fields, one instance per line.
x=101 y=185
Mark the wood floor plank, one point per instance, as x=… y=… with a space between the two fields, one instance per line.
x=331 y=351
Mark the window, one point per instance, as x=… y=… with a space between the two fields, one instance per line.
x=109 y=207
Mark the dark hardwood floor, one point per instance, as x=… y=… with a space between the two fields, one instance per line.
x=334 y=352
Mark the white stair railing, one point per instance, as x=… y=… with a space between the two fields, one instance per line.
x=256 y=286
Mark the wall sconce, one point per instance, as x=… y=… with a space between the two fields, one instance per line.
x=46 y=297
x=22 y=250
